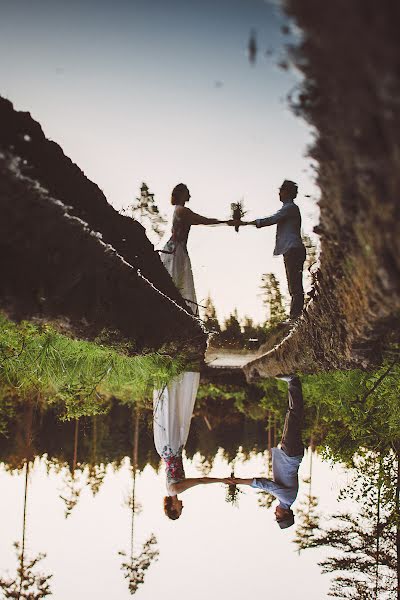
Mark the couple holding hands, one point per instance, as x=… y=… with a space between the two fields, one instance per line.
x=173 y=405
x=288 y=243
x=172 y=413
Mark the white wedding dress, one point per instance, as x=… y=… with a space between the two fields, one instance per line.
x=176 y=260
x=172 y=413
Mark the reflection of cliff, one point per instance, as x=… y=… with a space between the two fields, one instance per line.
x=54 y=264
x=351 y=97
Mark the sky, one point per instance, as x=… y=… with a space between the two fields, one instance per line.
x=213 y=551
x=163 y=92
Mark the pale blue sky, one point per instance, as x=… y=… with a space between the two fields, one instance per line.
x=128 y=89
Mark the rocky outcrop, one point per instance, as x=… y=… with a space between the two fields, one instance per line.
x=68 y=257
x=350 y=59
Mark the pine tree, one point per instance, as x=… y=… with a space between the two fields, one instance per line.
x=27 y=584
x=232 y=332
x=307 y=515
x=136 y=565
x=210 y=316
x=311 y=259
x=311 y=250
x=145 y=210
x=272 y=298
x=362 y=545
x=135 y=569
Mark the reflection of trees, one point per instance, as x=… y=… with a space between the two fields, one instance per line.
x=307 y=516
x=135 y=569
x=272 y=298
x=110 y=438
x=96 y=472
x=264 y=499
x=136 y=564
x=27 y=583
x=72 y=480
x=365 y=544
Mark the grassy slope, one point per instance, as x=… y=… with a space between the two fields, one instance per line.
x=38 y=362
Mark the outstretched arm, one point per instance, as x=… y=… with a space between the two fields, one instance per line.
x=280 y=215
x=238 y=481
x=185 y=484
x=193 y=218
x=267 y=485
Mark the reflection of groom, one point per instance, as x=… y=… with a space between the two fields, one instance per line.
x=286 y=459
x=288 y=243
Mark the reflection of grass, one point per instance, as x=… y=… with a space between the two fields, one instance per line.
x=36 y=361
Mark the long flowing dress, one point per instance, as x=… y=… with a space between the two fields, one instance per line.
x=176 y=260
x=172 y=413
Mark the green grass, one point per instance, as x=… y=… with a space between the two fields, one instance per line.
x=356 y=410
x=38 y=362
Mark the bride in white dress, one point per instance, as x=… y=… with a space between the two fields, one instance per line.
x=173 y=406
x=172 y=413
x=175 y=256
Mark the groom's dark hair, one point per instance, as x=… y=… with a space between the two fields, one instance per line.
x=178 y=189
x=290 y=186
x=287 y=521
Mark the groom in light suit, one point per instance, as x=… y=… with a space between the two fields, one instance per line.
x=286 y=460
x=288 y=242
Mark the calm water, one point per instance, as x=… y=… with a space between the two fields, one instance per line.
x=78 y=513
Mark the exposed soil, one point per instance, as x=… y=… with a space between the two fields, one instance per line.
x=55 y=266
x=350 y=58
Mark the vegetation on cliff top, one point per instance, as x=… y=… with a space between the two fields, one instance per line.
x=38 y=362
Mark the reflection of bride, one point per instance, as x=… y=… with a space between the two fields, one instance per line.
x=172 y=413
x=175 y=256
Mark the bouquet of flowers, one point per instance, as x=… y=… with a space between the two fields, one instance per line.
x=237 y=212
x=232 y=493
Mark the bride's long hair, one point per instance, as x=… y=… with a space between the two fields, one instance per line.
x=176 y=192
x=169 y=509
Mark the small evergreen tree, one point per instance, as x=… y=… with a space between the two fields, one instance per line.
x=27 y=584
x=135 y=568
x=311 y=250
x=232 y=332
x=363 y=549
x=210 y=316
x=311 y=259
x=145 y=210
x=272 y=298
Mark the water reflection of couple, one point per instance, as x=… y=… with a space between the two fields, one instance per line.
x=173 y=406
x=173 y=409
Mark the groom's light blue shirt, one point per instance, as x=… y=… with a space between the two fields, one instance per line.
x=288 y=221
x=285 y=483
